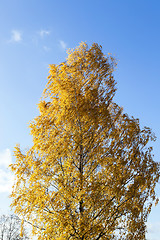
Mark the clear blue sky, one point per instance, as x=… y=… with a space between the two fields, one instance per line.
x=34 y=34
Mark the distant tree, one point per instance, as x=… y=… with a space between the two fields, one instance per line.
x=10 y=228
x=90 y=173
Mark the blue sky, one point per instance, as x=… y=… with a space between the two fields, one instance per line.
x=34 y=34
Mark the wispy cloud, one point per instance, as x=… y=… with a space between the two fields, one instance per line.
x=43 y=33
x=63 y=45
x=47 y=49
x=16 y=36
x=6 y=177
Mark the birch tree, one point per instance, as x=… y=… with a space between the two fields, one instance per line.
x=90 y=173
x=10 y=228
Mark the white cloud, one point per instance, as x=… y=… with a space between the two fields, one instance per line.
x=6 y=177
x=153 y=229
x=16 y=36
x=63 y=44
x=43 y=33
x=5 y=158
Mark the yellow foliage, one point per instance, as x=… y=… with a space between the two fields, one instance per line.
x=89 y=174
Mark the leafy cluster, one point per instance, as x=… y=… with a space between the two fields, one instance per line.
x=89 y=174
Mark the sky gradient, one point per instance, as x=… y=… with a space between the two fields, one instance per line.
x=34 y=34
